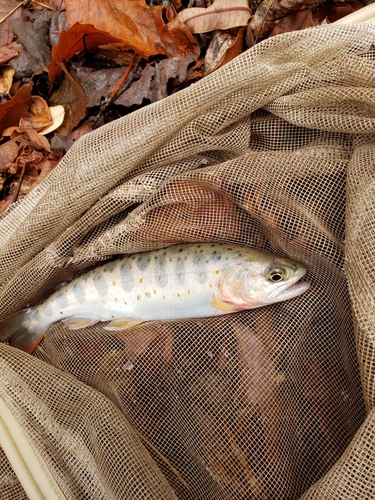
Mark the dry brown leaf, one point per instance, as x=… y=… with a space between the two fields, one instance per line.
x=320 y=386
x=258 y=384
x=226 y=459
x=97 y=84
x=32 y=38
x=45 y=167
x=221 y=15
x=135 y=23
x=9 y=51
x=154 y=80
x=224 y=47
x=85 y=128
x=30 y=135
x=8 y=153
x=71 y=96
x=6 y=30
x=39 y=115
x=57 y=115
x=13 y=110
x=6 y=79
x=78 y=38
x=5 y=203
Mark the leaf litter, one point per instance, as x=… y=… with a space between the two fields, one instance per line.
x=99 y=61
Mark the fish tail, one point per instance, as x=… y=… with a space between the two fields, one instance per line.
x=14 y=331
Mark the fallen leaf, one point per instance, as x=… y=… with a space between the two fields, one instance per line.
x=320 y=389
x=85 y=128
x=45 y=167
x=5 y=203
x=224 y=47
x=141 y=27
x=71 y=95
x=299 y=20
x=35 y=139
x=6 y=30
x=25 y=160
x=154 y=80
x=6 y=79
x=226 y=459
x=339 y=9
x=78 y=38
x=9 y=51
x=258 y=384
x=35 y=43
x=57 y=115
x=8 y=153
x=221 y=15
x=97 y=84
x=12 y=111
x=39 y=116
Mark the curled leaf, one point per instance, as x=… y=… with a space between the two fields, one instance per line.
x=9 y=51
x=140 y=27
x=39 y=115
x=223 y=47
x=6 y=79
x=221 y=15
x=57 y=115
x=13 y=110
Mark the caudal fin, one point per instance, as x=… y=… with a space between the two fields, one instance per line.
x=13 y=330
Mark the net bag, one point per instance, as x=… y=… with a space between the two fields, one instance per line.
x=276 y=151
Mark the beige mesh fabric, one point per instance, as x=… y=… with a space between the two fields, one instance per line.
x=275 y=151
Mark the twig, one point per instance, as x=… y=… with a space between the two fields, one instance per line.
x=12 y=11
x=263 y=21
x=43 y=5
x=20 y=179
x=21 y=5
x=135 y=61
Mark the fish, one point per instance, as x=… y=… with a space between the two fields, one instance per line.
x=183 y=281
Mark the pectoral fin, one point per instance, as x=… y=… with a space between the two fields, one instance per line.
x=77 y=323
x=122 y=324
x=222 y=306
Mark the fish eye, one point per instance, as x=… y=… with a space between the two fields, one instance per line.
x=275 y=274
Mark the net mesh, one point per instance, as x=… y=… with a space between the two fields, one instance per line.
x=275 y=150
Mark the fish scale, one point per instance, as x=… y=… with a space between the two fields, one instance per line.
x=179 y=282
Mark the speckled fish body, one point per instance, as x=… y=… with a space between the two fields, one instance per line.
x=182 y=281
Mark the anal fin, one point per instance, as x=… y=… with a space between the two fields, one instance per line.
x=77 y=323
x=222 y=306
x=122 y=324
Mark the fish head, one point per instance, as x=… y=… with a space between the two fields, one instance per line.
x=258 y=278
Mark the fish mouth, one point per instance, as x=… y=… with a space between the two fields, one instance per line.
x=295 y=290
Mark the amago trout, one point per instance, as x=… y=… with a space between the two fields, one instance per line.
x=182 y=281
